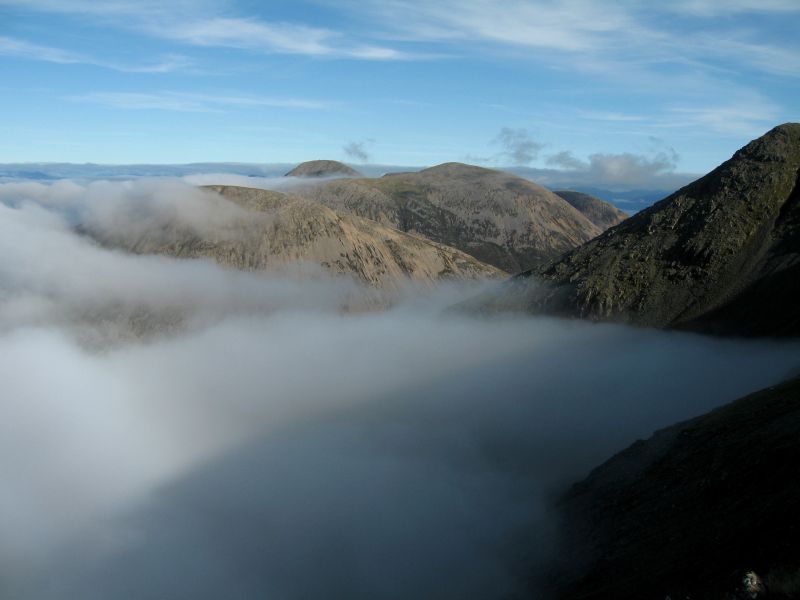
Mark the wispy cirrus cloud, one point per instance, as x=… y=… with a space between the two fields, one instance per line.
x=712 y=8
x=10 y=46
x=188 y=102
x=736 y=119
x=589 y=35
x=210 y=24
x=599 y=115
x=596 y=36
x=777 y=60
x=570 y=26
x=253 y=34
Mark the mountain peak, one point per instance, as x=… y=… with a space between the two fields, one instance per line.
x=497 y=217
x=322 y=168
x=777 y=145
x=721 y=254
x=457 y=169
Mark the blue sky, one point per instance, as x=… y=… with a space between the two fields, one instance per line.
x=624 y=89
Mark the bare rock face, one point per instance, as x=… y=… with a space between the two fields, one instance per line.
x=720 y=255
x=276 y=230
x=322 y=168
x=603 y=214
x=500 y=219
x=706 y=508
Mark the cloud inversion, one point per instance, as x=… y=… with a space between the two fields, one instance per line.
x=273 y=446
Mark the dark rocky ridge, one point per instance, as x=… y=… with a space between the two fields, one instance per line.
x=322 y=168
x=688 y=512
x=499 y=218
x=601 y=213
x=719 y=255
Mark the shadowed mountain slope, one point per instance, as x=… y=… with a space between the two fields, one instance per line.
x=686 y=513
x=499 y=218
x=601 y=213
x=720 y=255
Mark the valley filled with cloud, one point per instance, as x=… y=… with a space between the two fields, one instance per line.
x=175 y=428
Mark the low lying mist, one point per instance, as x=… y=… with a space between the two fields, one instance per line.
x=237 y=435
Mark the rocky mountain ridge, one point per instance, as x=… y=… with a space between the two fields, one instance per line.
x=279 y=230
x=499 y=218
x=719 y=255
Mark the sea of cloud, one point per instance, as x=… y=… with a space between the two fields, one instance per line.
x=172 y=429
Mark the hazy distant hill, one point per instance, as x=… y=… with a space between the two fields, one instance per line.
x=286 y=230
x=500 y=219
x=322 y=168
x=686 y=513
x=721 y=254
x=601 y=213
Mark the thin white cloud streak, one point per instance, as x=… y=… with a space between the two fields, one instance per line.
x=287 y=38
x=16 y=47
x=741 y=119
x=714 y=8
x=596 y=115
x=585 y=35
x=209 y=24
x=770 y=59
x=571 y=26
x=189 y=102
x=24 y=49
x=602 y=35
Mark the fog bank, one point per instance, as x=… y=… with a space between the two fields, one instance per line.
x=274 y=446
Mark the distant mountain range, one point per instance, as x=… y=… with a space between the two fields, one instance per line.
x=629 y=200
x=629 y=196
